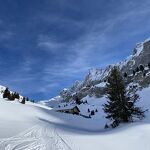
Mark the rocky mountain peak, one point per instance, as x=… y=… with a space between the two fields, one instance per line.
x=94 y=81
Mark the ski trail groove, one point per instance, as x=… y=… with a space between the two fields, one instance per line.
x=63 y=140
x=36 y=138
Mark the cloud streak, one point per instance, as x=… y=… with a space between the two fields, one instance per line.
x=48 y=47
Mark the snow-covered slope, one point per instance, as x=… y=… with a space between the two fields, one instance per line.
x=38 y=127
x=2 y=89
x=53 y=102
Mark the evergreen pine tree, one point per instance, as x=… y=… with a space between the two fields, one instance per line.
x=78 y=101
x=137 y=69
x=120 y=106
x=149 y=65
x=141 y=67
x=6 y=93
x=17 y=96
x=11 y=96
x=125 y=75
x=106 y=126
x=23 y=100
x=133 y=72
x=92 y=113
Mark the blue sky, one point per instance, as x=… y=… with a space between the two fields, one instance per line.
x=46 y=45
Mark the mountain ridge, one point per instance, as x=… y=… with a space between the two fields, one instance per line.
x=94 y=81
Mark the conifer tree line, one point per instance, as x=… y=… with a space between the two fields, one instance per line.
x=138 y=69
x=121 y=105
x=13 y=95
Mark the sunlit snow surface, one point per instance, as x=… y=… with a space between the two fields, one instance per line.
x=38 y=127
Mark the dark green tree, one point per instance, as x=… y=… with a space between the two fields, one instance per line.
x=106 y=126
x=125 y=75
x=141 y=67
x=92 y=113
x=6 y=93
x=77 y=101
x=11 y=97
x=149 y=65
x=137 y=69
x=17 y=96
x=133 y=72
x=23 y=100
x=120 y=106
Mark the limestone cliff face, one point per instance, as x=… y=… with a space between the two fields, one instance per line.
x=95 y=80
x=141 y=56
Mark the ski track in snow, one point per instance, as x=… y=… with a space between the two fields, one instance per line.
x=36 y=138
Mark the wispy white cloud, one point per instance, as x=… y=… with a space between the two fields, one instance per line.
x=84 y=42
x=98 y=41
x=6 y=35
x=49 y=44
x=47 y=88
